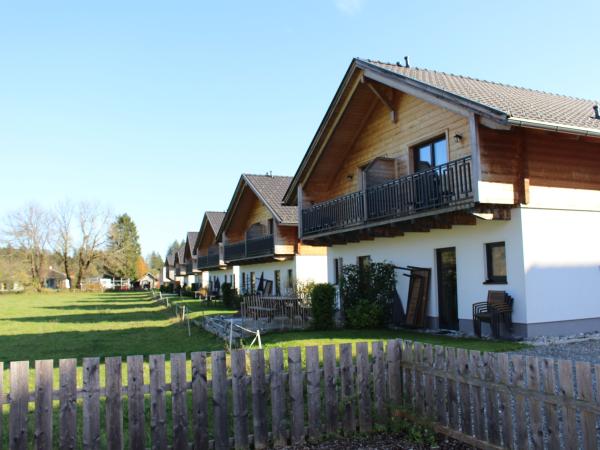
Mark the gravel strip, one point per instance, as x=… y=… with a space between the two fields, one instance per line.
x=584 y=350
x=380 y=441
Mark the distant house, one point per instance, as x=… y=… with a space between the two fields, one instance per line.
x=56 y=280
x=492 y=187
x=168 y=270
x=260 y=239
x=148 y=281
x=209 y=253
x=189 y=259
x=181 y=267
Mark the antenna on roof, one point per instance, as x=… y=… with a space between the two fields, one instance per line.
x=406 y=61
x=269 y=174
x=596 y=113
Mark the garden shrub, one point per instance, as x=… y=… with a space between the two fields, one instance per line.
x=371 y=287
x=231 y=299
x=323 y=305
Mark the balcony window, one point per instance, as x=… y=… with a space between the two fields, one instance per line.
x=252 y=283
x=430 y=154
x=277 y=282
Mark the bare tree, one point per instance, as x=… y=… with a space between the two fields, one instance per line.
x=64 y=239
x=93 y=228
x=30 y=229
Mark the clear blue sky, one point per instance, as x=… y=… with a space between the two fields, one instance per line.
x=155 y=108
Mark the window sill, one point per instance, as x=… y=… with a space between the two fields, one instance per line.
x=495 y=282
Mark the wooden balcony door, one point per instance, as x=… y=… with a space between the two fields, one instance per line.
x=447 y=290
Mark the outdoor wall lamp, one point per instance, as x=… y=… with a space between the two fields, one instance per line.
x=458 y=138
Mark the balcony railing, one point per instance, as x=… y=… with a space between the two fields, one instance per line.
x=181 y=270
x=440 y=187
x=208 y=261
x=250 y=248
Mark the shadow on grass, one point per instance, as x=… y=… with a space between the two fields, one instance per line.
x=97 y=306
x=142 y=316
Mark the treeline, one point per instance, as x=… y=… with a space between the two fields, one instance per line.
x=80 y=240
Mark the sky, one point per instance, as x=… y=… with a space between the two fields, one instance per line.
x=155 y=108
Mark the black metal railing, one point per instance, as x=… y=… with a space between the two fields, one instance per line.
x=250 y=248
x=212 y=259
x=442 y=186
x=180 y=270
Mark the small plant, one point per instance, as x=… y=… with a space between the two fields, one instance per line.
x=323 y=305
x=417 y=431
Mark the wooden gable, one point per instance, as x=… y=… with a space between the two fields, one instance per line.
x=248 y=211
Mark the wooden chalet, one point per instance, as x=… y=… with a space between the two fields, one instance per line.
x=260 y=238
x=489 y=185
x=209 y=252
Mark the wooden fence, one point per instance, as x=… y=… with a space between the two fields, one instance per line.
x=487 y=400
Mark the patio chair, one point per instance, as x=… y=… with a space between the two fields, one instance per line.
x=498 y=308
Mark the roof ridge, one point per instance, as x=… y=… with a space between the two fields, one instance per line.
x=481 y=80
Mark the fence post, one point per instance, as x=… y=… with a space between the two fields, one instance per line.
x=394 y=354
x=158 y=407
x=114 y=409
x=296 y=386
x=347 y=390
x=91 y=403
x=239 y=396
x=135 y=401
x=43 y=404
x=381 y=413
x=19 y=401
x=313 y=393
x=278 y=419
x=363 y=383
x=220 y=388
x=259 y=400
x=179 y=401
x=68 y=403
x=552 y=427
x=199 y=400
x=330 y=382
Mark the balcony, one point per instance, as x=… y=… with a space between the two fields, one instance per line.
x=249 y=249
x=181 y=270
x=444 y=187
x=209 y=261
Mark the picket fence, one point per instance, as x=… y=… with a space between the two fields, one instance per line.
x=484 y=399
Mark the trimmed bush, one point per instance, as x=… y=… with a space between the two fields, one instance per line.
x=323 y=306
x=231 y=299
x=365 y=314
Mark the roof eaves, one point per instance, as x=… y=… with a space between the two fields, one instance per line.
x=551 y=126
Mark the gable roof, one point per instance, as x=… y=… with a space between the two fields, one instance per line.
x=190 y=242
x=269 y=189
x=170 y=259
x=516 y=102
x=500 y=103
x=212 y=219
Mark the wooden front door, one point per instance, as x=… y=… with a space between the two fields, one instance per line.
x=447 y=297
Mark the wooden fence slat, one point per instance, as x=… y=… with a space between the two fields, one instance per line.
x=521 y=431
x=91 y=403
x=278 y=413
x=394 y=371
x=179 y=401
x=330 y=381
x=428 y=398
x=114 y=408
x=259 y=402
x=551 y=410
x=567 y=390
x=379 y=397
x=158 y=405
x=347 y=398
x=43 y=404
x=220 y=388
x=199 y=401
x=466 y=421
x=491 y=398
x=67 y=369
x=583 y=375
x=363 y=383
x=535 y=406
x=1 y=403
x=505 y=403
x=478 y=398
x=313 y=393
x=407 y=374
x=418 y=380
x=452 y=391
x=239 y=398
x=296 y=387
x=440 y=386
x=135 y=402
x=19 y=401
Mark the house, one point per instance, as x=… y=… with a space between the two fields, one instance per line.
x=189 y=259
x=210 y=262
x=56 y=280
x=148 y=281
x=493 y=187
x=168 y=270
x=260 y=239
x=180 y=266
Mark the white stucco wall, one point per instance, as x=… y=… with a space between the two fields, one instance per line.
x=311 y=268
x=562 y=263
x=268 y=269
x=418 y=249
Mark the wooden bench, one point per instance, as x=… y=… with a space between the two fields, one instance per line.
x=496 y=310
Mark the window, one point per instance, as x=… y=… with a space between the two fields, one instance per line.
x=270 y=226
x=244 y=289
x=290 y=280
x=336 y=270
x=252 y=282
x=496 y=262
x=277 y=282
x=430 y=154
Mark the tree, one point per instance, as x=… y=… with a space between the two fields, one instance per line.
x=154 y=261
x=30 y=230
x=93 y=223
x=123 y=247
x=176 y=245
x=141 y=268
x=63 y=243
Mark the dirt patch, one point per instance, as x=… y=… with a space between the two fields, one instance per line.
x=381 y=441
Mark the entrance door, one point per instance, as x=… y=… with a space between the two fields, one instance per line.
x=447 y=298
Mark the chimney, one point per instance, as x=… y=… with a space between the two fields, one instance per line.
x=596 y=113
x=406 y=61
